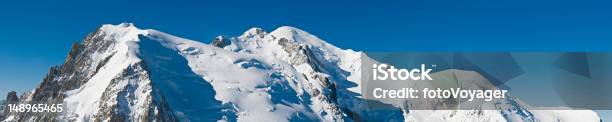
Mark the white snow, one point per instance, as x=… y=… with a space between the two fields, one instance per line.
x=562 y=114
x=9 y=119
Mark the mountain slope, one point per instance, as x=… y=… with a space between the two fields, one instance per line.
x=122 y=73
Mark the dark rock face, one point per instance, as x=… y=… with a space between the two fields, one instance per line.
x=301 y=54
x=71 y=75
x=2 y=108
x=221 y=41
x=12 y=98
x=120 y=111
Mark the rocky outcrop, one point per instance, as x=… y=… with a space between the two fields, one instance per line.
x=2 y=108
x=12 y=98
x=221 y=41
x=120 y=100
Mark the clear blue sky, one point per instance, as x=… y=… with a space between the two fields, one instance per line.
x=35 y=35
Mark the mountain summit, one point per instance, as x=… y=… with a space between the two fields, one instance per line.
x=123 y=73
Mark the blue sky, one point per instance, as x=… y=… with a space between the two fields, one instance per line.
x=35 y=35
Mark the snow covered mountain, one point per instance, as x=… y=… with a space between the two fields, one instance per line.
x=123 y=73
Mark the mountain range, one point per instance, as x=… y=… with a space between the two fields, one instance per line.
x=123 y=73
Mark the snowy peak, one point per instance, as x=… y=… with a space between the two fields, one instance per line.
x=286 y=30
x=284 y=36
x=293 y=33
x=125 y=24
x=121 y=32
x=253 y=32
x=107 y=27
x=290 y=34
x=298 y=36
